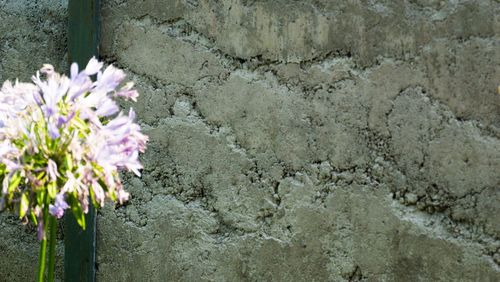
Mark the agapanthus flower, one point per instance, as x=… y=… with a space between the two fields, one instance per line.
x=63 y=142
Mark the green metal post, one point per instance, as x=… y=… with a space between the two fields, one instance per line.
x=83 y=40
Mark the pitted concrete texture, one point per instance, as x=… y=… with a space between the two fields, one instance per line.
x=292 y=140
x=309 y=141
x=32 y=33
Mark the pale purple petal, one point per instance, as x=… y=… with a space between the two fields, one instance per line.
x=62 y=120
x=38 y=98
x=72 y=184
x=122 y=196
x=109 y=79
x=52 y=170
x=5 y=184
x=11 y=165
x=93 y=66
x=49 y=110
x=118 y=123
x=59 y=206
x=128 y=94
x=98 y=193
x=6 y=148
x=131 y=114
x=84 y=200
x=53 y=130
x=107 y=108
x=74 y=71
x=80 y=83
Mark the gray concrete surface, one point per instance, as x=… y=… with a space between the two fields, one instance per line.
x=305 y=140
x=309 y=141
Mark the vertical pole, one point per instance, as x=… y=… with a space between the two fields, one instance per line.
x=83 y=40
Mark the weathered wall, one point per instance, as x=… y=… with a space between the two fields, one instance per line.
x=31 y=33
x=292 y=140
x=309 y=140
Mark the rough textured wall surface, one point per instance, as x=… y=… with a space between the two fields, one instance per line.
x=310 y=140
x=31 y=33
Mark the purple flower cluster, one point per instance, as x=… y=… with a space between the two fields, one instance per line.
x=63 y=141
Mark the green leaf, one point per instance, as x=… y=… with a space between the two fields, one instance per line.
x=78 y=212
x=33 y=217
x=69 y=162
x=52 y=189
x=79 y=216
x=40 y=195
x=14 y=182
x=2 y=169
x=23 y=206
x=92 y=197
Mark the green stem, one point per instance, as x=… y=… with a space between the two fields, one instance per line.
x=41 y=259
x=43 y=249
x=52 y=247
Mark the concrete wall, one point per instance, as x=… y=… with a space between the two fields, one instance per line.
x=31 y=33
x=307 y=140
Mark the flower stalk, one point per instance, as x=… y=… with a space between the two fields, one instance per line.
x=43 y=252
x=52 y=248
x=41 y=260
